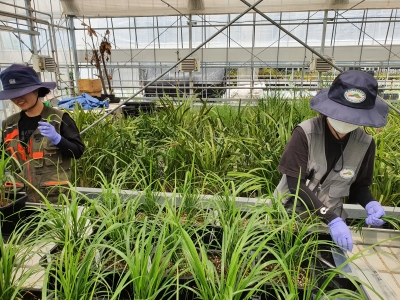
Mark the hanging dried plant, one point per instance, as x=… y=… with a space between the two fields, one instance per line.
x=100 y=55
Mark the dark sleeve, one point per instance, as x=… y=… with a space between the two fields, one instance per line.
x=359 y=190
x=310 y=199
x=295 y=155
x=71 y=144
x=2 y=134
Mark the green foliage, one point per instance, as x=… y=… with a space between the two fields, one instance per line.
x=148 y=252
x=242 y=143
x=386 y=185
x=9 y=167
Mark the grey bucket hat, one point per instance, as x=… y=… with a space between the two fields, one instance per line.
x=352 y=98
x=19 y=80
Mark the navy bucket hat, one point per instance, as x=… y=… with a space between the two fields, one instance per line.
x=352 y=98
x=19 y=80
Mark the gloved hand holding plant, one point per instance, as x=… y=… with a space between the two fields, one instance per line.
x=375 y=212
x=48 y=130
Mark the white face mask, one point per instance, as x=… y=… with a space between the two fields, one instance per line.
x=342 y=127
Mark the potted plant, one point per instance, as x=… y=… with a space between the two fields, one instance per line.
x=99 y=56
x=14 y=274
x=12 y=200
x=137 y=264
x=232 y=271
x=73 y=271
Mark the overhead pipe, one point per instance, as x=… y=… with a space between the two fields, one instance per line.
x=308 y=47
x=169 y=69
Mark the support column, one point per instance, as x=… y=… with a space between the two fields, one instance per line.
x=31 y=27
x=190 y=23
x=322 y=45
x=73 y=44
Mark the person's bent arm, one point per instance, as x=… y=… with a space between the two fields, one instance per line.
x=310 y=199
x=71 y=144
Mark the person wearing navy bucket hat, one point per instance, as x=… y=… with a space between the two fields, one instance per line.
x=42 y=139
x=331 y=157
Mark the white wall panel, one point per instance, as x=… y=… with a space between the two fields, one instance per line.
x=95 y=8
x=292 y=54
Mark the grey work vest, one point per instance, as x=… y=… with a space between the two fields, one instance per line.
x=337 y=184
x=43 y=165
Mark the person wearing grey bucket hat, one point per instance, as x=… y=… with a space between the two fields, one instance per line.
x=331 y=157
x=42 y=139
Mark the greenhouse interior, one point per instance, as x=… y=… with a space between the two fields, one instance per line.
x=154 y=149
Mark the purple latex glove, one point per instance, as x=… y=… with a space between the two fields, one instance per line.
x=375 y=211
x=341 y=234
x=48 y=130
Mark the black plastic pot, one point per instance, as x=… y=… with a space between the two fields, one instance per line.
x=11 y=214
x=31 y=294
x=111 y=98
x=339 y=283
x=213 y=237
x=134 y=109
x=271 y=293
x=182 y=293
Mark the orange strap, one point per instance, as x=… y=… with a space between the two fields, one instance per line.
x=11 y=135
x=10 y=184
x=37 y=155
x=21 y=152
x=48 y=183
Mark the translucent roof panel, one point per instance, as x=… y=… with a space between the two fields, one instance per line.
x=101 y=8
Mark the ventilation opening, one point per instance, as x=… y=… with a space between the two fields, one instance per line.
x=189 y=65
x=320 y=65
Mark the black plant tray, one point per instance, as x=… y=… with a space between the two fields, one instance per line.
x=139 y=103
x=11 y=214
x=182 y=294
x=134 y=109
x=212 y=237
x=31 y=294
x=273 y=293
x=113 y=280
x=339 y=283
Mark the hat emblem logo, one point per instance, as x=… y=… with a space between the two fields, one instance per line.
x=12 y=81
x=355 y=95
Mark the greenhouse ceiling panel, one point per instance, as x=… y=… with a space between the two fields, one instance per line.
x=101 y=8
